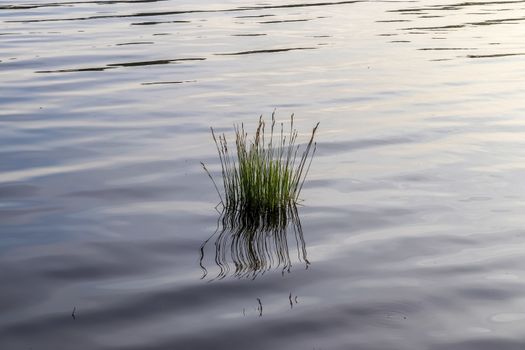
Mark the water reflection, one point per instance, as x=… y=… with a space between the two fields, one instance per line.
x=485 y=22
x=258 y=7
x=247 y=246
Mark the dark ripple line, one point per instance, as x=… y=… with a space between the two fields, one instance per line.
x=89 y=69
x=149 y=14
x=286 y=21
x=496 y=21
x=58 y=4
x=255 y=34
x=446 y=48
x=265 y=51
x=136 y=43
x=159 y=22
x=149 y=63
x=169 y=82
x=482 y=23
x=496 y=55
x=255 y=16
x=120 y=65
x=456 y=6
x=394 y=21
x=451 y=26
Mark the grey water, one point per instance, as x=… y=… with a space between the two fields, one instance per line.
x=411 y=233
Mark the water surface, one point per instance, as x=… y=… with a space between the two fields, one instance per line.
x=411 y=232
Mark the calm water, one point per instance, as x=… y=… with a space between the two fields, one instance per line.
x=411 y=235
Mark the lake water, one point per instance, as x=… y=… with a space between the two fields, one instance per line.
x=411 y=231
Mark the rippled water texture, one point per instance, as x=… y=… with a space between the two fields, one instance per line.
x=411 y=233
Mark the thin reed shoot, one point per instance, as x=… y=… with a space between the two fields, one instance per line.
x=263 y=174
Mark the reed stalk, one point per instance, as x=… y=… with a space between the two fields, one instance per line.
x=264 y=174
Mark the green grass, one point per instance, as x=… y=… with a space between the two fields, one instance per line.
x=263 y=174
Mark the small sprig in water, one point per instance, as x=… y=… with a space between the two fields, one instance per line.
x=263 y=175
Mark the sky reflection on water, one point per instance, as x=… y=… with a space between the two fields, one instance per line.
x=413 y=218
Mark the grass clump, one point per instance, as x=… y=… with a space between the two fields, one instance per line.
x=264 y=174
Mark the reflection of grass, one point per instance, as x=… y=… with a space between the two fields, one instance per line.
x=264 y=174
x=248 y=245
